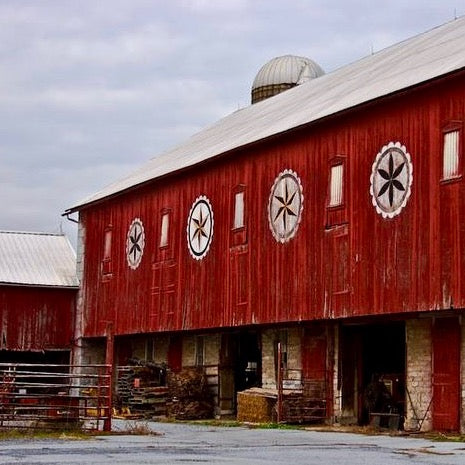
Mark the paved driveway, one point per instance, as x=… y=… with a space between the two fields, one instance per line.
x=233 y=446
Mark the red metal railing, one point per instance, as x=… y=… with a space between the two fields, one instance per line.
x=48 y=395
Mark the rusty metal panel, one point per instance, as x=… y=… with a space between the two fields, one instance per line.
x=369 y=264
x=36 y=319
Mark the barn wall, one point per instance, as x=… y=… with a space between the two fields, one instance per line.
x=351 y=262
x=36 y=319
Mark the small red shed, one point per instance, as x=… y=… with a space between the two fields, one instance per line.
x=38 y=288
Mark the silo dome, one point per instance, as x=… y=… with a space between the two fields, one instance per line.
x=282 y=73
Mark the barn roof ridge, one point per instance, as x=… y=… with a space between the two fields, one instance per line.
x=30 y=233
x=426 y=56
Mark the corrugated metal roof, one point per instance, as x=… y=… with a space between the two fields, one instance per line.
x=37 y=259
x=427 y=56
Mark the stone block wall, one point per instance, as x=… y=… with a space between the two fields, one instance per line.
x=418 y=374
x=293 y=373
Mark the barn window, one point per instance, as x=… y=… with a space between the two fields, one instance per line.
x=238 y=236
x=451 y=150
x=336 y=194
x=239 y=210
x=336 y=185
x=164 y=231
x=106 y=262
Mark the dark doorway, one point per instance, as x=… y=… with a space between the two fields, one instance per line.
x=59 y=357
x=373 y=371
x=240 y=367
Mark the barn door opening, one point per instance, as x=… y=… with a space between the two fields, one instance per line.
x=446 y=374
x=240 y=367
x=373 y=373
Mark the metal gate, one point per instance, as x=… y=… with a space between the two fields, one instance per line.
x=55 y=396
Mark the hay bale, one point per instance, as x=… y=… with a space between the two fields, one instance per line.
x=256 y=407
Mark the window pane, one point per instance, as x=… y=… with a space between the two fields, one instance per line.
x=336 y=185
x=451 y=154
x=165 y=224
x=239 y=210
x=107 y=245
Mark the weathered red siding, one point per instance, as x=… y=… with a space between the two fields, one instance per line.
x=36 y=319
x=348 y=262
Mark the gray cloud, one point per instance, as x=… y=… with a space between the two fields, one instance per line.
x=89 y=90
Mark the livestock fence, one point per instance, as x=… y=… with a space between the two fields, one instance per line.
x=55 y=396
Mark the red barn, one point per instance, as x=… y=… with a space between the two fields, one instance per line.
x=327 y=218
x=38 y=289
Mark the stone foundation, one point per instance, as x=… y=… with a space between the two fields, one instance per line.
x=418 y=378
x=291 y=339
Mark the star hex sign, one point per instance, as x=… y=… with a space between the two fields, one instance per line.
x=391 y=179
x=285 y=206
x=200 y=227
x=135 y=243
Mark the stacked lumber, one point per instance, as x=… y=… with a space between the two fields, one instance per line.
x=190 y=396
x=301 y=409
x=139 y=391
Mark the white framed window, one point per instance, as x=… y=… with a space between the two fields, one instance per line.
x=239 y=210
x=336 y=185
x=106 y=262
x=451 y=148
x=164 y=230
x=107 y=244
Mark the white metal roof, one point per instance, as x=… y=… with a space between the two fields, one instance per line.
x=424 y=57
x=37 y=259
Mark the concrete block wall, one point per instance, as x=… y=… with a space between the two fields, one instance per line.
x=212 y=349
x=268 y=364
x=160 y=348
x=418 y=374
x=188 y=350
x=92 y=351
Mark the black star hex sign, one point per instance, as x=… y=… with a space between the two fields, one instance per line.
x=285 y=209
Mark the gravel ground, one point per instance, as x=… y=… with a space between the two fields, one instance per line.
x=187 y=443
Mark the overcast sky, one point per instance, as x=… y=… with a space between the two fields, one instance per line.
x=91 y=89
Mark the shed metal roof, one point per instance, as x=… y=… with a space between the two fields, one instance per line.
x=37 y=259
x=422 y=58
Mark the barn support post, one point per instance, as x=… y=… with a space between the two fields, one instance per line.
x=109 y=356
x=280 y=384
